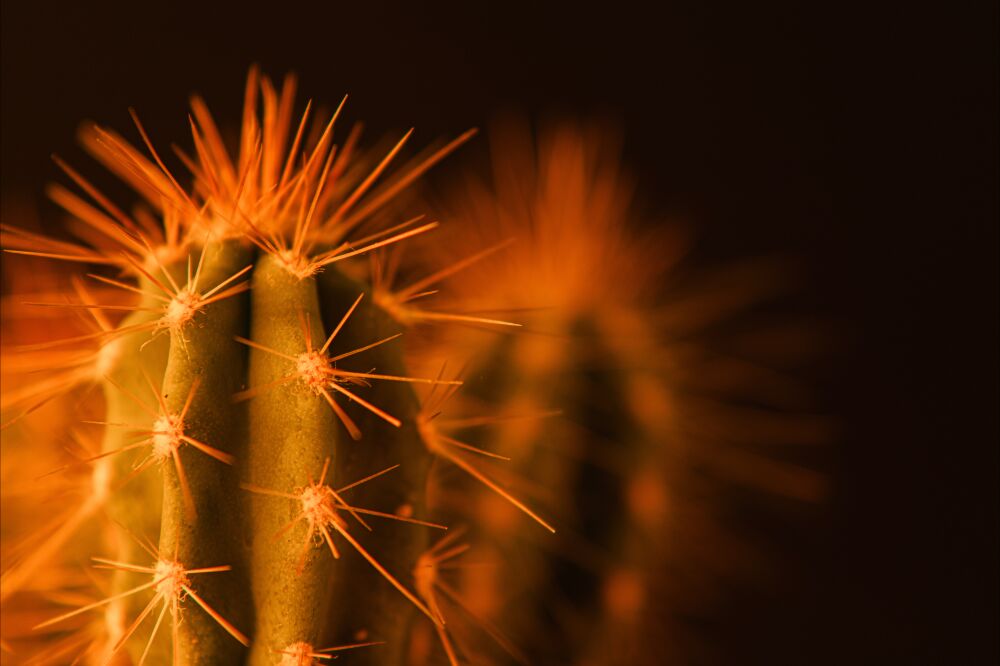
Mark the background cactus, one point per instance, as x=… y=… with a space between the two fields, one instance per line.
x=641 y=466
x=255 y=395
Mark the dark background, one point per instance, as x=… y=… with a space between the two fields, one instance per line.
x=860 y=139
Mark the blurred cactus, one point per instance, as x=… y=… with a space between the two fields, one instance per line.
x=636 y=469
x=254 y=395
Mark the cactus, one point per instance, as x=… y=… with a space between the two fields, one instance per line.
x=253 y=396
x=280 y=481
x=609 y=346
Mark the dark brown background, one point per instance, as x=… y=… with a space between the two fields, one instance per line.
x=861 y=139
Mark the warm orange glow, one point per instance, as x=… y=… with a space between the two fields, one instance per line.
x=581 y=441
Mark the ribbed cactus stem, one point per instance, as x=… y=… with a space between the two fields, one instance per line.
x=201 y=509
x=293 y=431
x=366 y=603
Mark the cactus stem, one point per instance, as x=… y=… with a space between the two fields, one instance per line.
x=319 y=506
